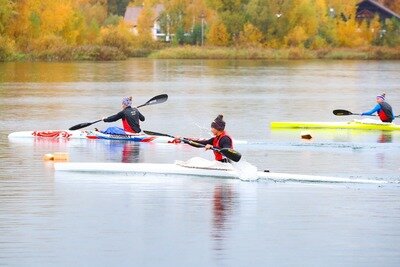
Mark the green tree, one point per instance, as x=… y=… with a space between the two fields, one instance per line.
x=271 y=18
x=231 y=13
x=180 y=35
x=390 y=34
x=195 y=36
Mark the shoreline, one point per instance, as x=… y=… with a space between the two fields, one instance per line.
x=188 y=52
x=105 y=53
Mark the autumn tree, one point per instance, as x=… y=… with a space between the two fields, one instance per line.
x=218 y=34
x=231 y=13
x=117 y=36
x=250 y=35
x=145 y=23
x=6 y=11
x=390 y=36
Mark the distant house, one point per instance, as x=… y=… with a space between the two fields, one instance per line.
x=132 y=14
x=367 y=9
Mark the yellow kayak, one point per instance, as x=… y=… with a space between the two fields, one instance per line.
x=366 y=124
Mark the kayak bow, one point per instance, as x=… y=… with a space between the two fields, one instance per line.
x=366 y=124
x=225 y=170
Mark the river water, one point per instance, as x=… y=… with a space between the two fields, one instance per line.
x=52 y=219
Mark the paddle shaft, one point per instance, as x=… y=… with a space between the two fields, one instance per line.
x=185 y=140
x=343 y=112
x=227 y=152
x=155 y=100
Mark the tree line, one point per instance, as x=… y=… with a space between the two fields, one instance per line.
x=43 y=27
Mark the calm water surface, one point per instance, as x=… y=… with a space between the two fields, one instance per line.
x=49 y=219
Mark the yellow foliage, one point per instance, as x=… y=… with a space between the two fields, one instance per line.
x=218 y=34
x=47 y=42
x=49 y=24
x=145 y=21
x=273 y=43
x=318 y=43
x=250 y=35
x=55 y=16
x=7 y=47
x=321 y=10
x=296 y=37
x=304 y=14
x=352 y=34
x=117 y=36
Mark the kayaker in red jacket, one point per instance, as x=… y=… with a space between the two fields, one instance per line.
x=384 y=110
x=130 y=118
x=220 y=140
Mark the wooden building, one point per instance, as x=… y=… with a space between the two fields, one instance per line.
x=367 y=9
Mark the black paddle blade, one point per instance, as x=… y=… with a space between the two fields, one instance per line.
x=342 y=112
x=158 y=99
x=231 y=154
x=82 y=125
x=157 y=134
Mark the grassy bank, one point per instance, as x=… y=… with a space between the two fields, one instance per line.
x=77 y=53
x=192 y=52
x=69 y=53
x=107 y=53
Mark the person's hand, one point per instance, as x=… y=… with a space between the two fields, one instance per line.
x=177 y=138
x=208 y=146
x=103 y=118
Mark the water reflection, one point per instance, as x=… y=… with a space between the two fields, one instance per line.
x=130 y=219
x=119 y=151
x=223 y=208
x=130 y=153
x=385 y=137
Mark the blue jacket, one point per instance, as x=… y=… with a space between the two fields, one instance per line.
x=377 y=109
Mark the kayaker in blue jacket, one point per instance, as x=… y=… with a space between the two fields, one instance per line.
x=130 y=119
x=383 y=109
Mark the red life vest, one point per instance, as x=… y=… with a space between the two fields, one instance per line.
x=219 y=156
x=382 y=115
x=127 y=127
x=385 y=113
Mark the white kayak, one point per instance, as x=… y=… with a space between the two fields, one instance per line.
x=50 y=134
x=93 y=135
x=200 y=168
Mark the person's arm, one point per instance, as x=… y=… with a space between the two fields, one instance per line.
x=372 y=111
x=115 y=117
x=203 y=142
x=225 y=142
x=141 y=117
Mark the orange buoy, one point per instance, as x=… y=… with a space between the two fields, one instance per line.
x=48 y=157
x=57 y=156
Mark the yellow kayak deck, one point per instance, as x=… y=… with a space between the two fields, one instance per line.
x=360 y=125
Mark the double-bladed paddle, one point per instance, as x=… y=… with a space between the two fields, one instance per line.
x=343 y=112
x=227 y=152
x=155 y=100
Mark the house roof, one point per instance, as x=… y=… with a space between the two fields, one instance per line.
x=380 y=6
x=132 y=13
